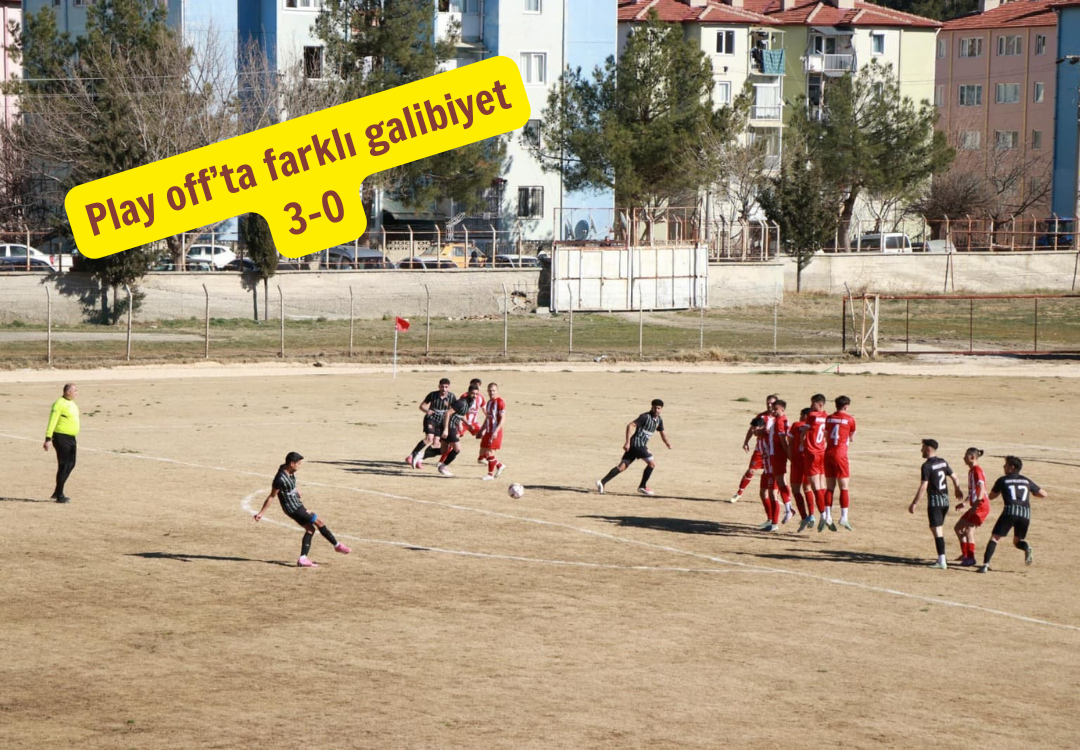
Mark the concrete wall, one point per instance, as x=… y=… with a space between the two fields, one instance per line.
x=739 y=284
x=307 y=295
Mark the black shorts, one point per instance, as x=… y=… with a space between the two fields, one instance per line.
x=303 y=516
x=1016 y=524
x=937 y=513
x=634 y=454
x=433 y=424
x=452 y=435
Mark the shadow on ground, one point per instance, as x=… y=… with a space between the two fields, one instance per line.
x=212 y=558
x=681 y=525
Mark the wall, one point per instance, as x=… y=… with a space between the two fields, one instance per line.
x=739 y=284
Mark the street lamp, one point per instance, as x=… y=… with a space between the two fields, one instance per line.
x=1073 y=60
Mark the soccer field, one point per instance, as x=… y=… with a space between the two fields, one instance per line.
x=152 y=612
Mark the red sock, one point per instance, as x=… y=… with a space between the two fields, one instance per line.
x=845 y=499
x=445 y=452
x=493 y=463
x=785 y=494
x=819 y=496
x=969 y=550
x=828 y=497
x=777 y=506
x=767 y=503
x=745 y=481
x=800 y=504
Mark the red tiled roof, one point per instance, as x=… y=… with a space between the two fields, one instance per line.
x=1009 y=15
x=770 y=12
x=676 y=11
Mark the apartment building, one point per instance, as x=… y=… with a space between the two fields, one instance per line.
x=995 y=94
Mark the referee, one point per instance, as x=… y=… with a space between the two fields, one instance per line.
x=61 y=432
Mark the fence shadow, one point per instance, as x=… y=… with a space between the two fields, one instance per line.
x=181 y=557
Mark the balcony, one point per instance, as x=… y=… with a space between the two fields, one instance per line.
x=467 y=25
x=767 y=62
x=830 y=65
x=770 y=112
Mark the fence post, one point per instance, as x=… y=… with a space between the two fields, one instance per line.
x=206 y=354
x=352 y=321
x=570 y=291
x=775 y=305
x=506 y=318
x=843 y=325
x=48 y=324
x=427 y=314
x=127 y=290
x=281 y=314
x=971 y=325
x=1036 y=324
x=640 y=324
x=701 y=328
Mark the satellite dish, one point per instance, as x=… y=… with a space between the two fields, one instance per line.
x=581 y=230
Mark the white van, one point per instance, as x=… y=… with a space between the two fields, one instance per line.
x=21 y=251
x=215 y=256
x=892 y=242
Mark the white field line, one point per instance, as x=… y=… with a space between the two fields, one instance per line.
x=621 y=540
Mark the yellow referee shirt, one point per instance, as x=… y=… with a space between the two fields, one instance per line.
x=64 y=418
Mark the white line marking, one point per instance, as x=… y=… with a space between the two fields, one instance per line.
x=602 y=535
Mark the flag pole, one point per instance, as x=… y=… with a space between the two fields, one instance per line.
x=395 y=352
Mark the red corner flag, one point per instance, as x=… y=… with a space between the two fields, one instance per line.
x=401 y=324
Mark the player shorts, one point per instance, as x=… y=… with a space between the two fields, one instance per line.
x=757 y=461
x=796 y=477
x=937 y=507
x=768 y=481
x=779 y=469
x=491 y=442
x=976 y=516
x=813 y=464
x=303 y=516
x=634 y=454
x=470 y=427
x=1016 y=524
x=433 y=424
x=836 y=466
x=452 y=435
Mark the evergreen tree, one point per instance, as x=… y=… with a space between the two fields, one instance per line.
x=259 y=245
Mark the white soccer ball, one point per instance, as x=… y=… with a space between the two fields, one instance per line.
x=515 y=491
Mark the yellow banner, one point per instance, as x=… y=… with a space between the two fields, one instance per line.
x=303 y=176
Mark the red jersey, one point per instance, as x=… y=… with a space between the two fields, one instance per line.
x=815 y=436
x=795 y=432
x=976 y=478
x=493 y=413
x=839 y=429
x=762 y=442
x=778 y=435
x=470 y=417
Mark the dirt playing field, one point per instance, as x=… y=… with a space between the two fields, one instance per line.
x=152 y=612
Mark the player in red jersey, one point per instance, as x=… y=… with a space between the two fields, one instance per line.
x=795 y=455
x=839 y=432
x=756 y=460
x=471 y=422
x=776 y=461
x=814 y=458
x=491 y=434
x=979 y=501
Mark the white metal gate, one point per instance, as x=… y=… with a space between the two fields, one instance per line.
x=613 y=279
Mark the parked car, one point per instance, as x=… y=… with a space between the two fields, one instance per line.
x=244 y=265
x=892 y=242
x=15 y=263
x=347 y=256
x=516 y=261
x=217 y=255
x=15 y=250
x=427 y=263
x=933 y=246
x=1056 y=233
x=168 y=264
x=456 y=252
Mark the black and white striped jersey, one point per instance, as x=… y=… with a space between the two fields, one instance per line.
x=1016 y=490
x=285 y=484
x=647 y=424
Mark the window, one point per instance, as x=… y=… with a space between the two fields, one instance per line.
x=1006 y=139
x=1007 y=93
x=457 y=6
x=532 y=6
x=303 y=4
x=824 y=45
x=725 y=42
x=56 y=3
x=941 y=48
x=1036 y=139
x=722 y=93
x=939 y=96
x=531 y=131
x=1040 y=91
x=1008 y=46
x=1040 y=44
x=530 y=202
x=971 y=47
x=534 y=67
x=313 y=62
x=877 y=44
x=83 y=3
x=971 y=96
x=970 y=140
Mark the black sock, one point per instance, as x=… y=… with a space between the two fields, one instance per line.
x=419 y=447
x=305 y=546
x=610 y=475
x=1022 y=545
x=450 y=458
x=991 y=547
x=432 y=452
x=645 y=476
x=328 y=535
x=939 y=542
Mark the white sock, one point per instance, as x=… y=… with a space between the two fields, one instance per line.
x=843 y=515
x=941 y=560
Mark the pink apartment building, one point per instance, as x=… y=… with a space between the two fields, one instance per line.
x=995 y=93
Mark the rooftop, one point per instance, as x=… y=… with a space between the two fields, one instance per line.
x=771 y=12
x=1009 y=15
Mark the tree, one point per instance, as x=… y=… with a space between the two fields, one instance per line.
x=635 y=124
x=872 y=142
x=377 y=45
x=803 y=201
x=259 y=244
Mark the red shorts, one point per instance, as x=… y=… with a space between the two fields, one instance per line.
x=757 y=462
x=471 y=428
x=779 y=468
x=976 y=516
x=768 y=481
x=836 y=466
x=813 y=464
x=491 y=442
x=796 y=476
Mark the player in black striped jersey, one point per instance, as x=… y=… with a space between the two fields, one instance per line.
x=935 y=475
x=434 y=407
x=284 y=489
x=1016 y=490
x=636 y=446
x=452 y=427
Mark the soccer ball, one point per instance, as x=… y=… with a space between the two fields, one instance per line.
x=515 y=491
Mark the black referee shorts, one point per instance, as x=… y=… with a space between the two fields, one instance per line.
x=1016 y=524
